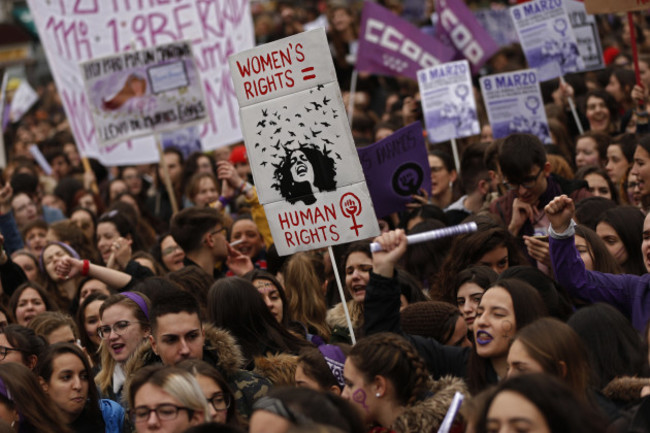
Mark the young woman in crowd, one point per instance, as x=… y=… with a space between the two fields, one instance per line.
x=620 y=155
x=236 y=305
x=539 y=402
x=166 y=399
x=443 y=177
x=591 y=149
x=600 y=185
x=168 y=253
x=22 y=402
x=505 y=307
x=55 y=327
x=86 y=220
x=88 y=322
x=621 y=230
x=124 y=326
x=602 y=112
x=594 y=253
x=117 y=238
x=321 y=368
x=470 y=285
x=388 y=382
x=202 y=189
x=20 y=344
x=29 y=300
x=60 y=287
x=29 y=264
x=221 y=401
x=66 y=378
x=272 y=291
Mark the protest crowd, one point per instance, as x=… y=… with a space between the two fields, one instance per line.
x=129 y=303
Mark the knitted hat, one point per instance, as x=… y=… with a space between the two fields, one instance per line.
x=430 y=319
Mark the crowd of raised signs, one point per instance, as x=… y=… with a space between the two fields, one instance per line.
x=118 y=314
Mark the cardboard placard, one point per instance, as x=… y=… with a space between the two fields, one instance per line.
x=448 y=101
x=299 y=144
x=514 y=104
x=139 y=93
x=396 y=168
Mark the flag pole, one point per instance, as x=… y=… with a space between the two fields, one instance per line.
x=572 y=105
x=342 y=295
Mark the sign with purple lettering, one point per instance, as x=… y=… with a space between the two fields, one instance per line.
x=300 y=146
x=547 y=38
x=514 y=104
x=139 y=93
x=389 y=45
x=75 y=31
x=586 y=31
x=458 y=27
x=448 y=101
x=396 y=168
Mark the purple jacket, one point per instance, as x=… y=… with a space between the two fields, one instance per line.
x=630 y=294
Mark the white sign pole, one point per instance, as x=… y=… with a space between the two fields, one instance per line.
x=572 y=104
x=353 y=89
x=342 y=294
x=454 y=149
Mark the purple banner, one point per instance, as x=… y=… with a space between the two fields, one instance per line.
x=388 y=45
x=396 y=168
x=458 y=28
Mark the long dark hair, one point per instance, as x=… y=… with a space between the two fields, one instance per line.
x=257 y=274
x=627 y=221
x=235 y=304
x=45 y=368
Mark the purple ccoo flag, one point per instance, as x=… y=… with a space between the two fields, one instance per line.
x=389 y=45
x=459 y=28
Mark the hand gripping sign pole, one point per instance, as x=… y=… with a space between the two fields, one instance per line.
x=572 y=105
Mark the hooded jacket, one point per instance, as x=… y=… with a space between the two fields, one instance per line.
x=221 y=351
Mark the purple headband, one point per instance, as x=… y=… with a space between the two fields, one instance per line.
x=66 y=247
x=138 y=300
x=335 y=360
x=5 y=391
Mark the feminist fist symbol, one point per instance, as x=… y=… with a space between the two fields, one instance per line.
x=351 y=208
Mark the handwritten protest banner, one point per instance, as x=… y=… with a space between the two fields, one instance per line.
x=547 y=38
x=396 y=168
x=139 y=93
x=73 y=31
x=459 y=28
x=299 y=144
x=586 y=32
x=609 y=6
x=448 y=101
x=389 y=45
x=514 y=104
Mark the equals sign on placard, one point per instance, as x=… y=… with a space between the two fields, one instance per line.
x=310 y=76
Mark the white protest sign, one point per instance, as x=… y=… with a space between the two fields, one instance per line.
x=448 y=101
x=23 y=99
x=547 y=38
x=139 y=93
x=73 y=31
x=586 y=32
x=514 y=104
x=300 y=146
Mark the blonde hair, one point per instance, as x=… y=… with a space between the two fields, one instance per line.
x=304 y=295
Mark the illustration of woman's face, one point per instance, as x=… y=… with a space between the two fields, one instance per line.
x=301 y=169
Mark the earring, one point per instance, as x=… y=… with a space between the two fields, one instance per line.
x=378 y=395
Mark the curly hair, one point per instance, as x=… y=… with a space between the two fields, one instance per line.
x=389 y=355
x=324 y=173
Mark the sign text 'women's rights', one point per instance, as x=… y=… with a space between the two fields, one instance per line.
x=300 y=146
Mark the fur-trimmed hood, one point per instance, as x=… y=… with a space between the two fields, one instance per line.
x=336 y=315
x=427 y=415
x=220 y=349
x=625 y=389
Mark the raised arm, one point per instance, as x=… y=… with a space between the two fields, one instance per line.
x=70 y=267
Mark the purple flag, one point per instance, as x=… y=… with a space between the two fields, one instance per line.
x=388 y=45
x=396 y=168
x=458 y=27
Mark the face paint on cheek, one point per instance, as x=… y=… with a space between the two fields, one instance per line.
x=506 y=328
x=359 y=396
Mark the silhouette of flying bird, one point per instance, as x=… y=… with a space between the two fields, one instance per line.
x=263 y=163
x=291 y=133
x=326 y=141
x=316 y=105
x=277 y=131
x=325 y=124
x=320 y=87
x=265 y=112
x=262 y=123
x=325 y=100
x=314 y=133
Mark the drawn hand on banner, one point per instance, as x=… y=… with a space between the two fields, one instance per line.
x=238 y=263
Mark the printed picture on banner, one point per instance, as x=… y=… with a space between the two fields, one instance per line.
x=299 y=144
x=525 y=123
x=460 y=113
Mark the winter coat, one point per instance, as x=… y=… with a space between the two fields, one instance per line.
x=336 y=320
x=221 y=351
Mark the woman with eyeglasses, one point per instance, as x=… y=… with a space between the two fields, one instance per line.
x=168 y=253
x=218 y=394
x=66 y=377
x=124 y=326
x=166 y=399
x=20 y=345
